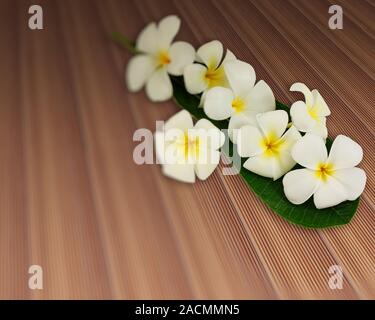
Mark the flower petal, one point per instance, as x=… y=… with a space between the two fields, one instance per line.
x=260 y=98
x=168 y=148
x=241 y=76
x=167 y=30
x=345 y=153
x=301 y=87
x=181 y=120
x=159 y=86
x=194 y=78
x=147 y=39
x=290 y=137
x=354 y=181
x=261 y=165
x=139 y=69
x=180 y=172
x=218 y=103
x=320 y=130
x=203 y=169
x=329 y=194
x=203 y=97
x=248 y=141
x=159 y=139
x=215 y=136
x=300 y=117
x=299 y=185
x=283 y=164
x=273 y=122
x=229 y=57
x=210 y=54
x=309 y=151
x=237 y=121
x=320 y=105
x=182 y=54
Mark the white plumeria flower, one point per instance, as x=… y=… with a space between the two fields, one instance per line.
x=159 y=57
x=309 y=116
x=267 y=146
x=209 y=71
x=185 y=150
x=242 y=101
x=331 y=179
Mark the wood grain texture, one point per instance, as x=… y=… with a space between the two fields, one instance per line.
x=73 y=201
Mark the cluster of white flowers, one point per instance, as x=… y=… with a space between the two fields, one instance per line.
x=270 y=140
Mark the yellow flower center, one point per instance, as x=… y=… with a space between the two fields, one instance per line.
x=189 y=146
x=313 y=112
x=238 y=105
x=271 y=145
x=324 y=171
x=215 y=77
x=163 y=58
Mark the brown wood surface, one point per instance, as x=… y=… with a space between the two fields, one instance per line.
x=73 y=201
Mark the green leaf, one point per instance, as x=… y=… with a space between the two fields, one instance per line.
x=271 y=192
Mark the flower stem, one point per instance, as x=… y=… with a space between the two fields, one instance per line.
x=124 y=42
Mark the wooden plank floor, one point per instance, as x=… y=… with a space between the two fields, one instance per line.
x=73 y=201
